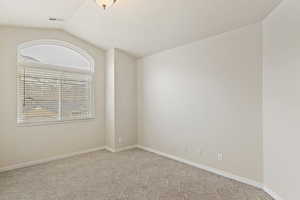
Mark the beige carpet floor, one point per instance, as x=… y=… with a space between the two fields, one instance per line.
x=130 y=175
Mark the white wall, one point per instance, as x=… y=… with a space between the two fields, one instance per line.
x=281 y=106
x=121 y=100
x=126 y=99
x=110 y=99
x=21 y=144
x=204 y=98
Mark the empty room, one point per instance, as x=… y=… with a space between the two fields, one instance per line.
x=150 y=100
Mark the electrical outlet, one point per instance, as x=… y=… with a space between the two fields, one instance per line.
x=220 y=156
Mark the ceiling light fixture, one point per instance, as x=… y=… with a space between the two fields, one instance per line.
x=105 y=3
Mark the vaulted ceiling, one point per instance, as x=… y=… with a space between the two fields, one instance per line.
x=140 y=27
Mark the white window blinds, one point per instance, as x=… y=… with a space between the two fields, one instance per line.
x=46 y=95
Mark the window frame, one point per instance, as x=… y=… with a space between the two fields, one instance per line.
x=70 y=46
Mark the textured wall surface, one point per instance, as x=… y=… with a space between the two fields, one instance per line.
x=282 y=100
x=205 y=98
x=22 y=144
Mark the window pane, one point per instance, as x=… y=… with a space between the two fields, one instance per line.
x=39 y=98
x=55 y=55
x=76 y=100
x=54 y=83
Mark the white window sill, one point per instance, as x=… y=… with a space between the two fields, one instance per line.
x=28 y=124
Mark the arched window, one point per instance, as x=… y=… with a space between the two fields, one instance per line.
x=55 y=82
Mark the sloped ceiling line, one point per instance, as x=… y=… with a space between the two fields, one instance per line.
x=140 y=27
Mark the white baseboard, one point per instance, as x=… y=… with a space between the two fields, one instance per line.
x=42 y=161
x=204 y=167
x=207 y=168
x=109 y=149
x=126 y=148
x=216 y=171
x=272 y=193
x=120 y=149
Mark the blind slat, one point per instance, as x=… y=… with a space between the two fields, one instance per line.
x=51 y=95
